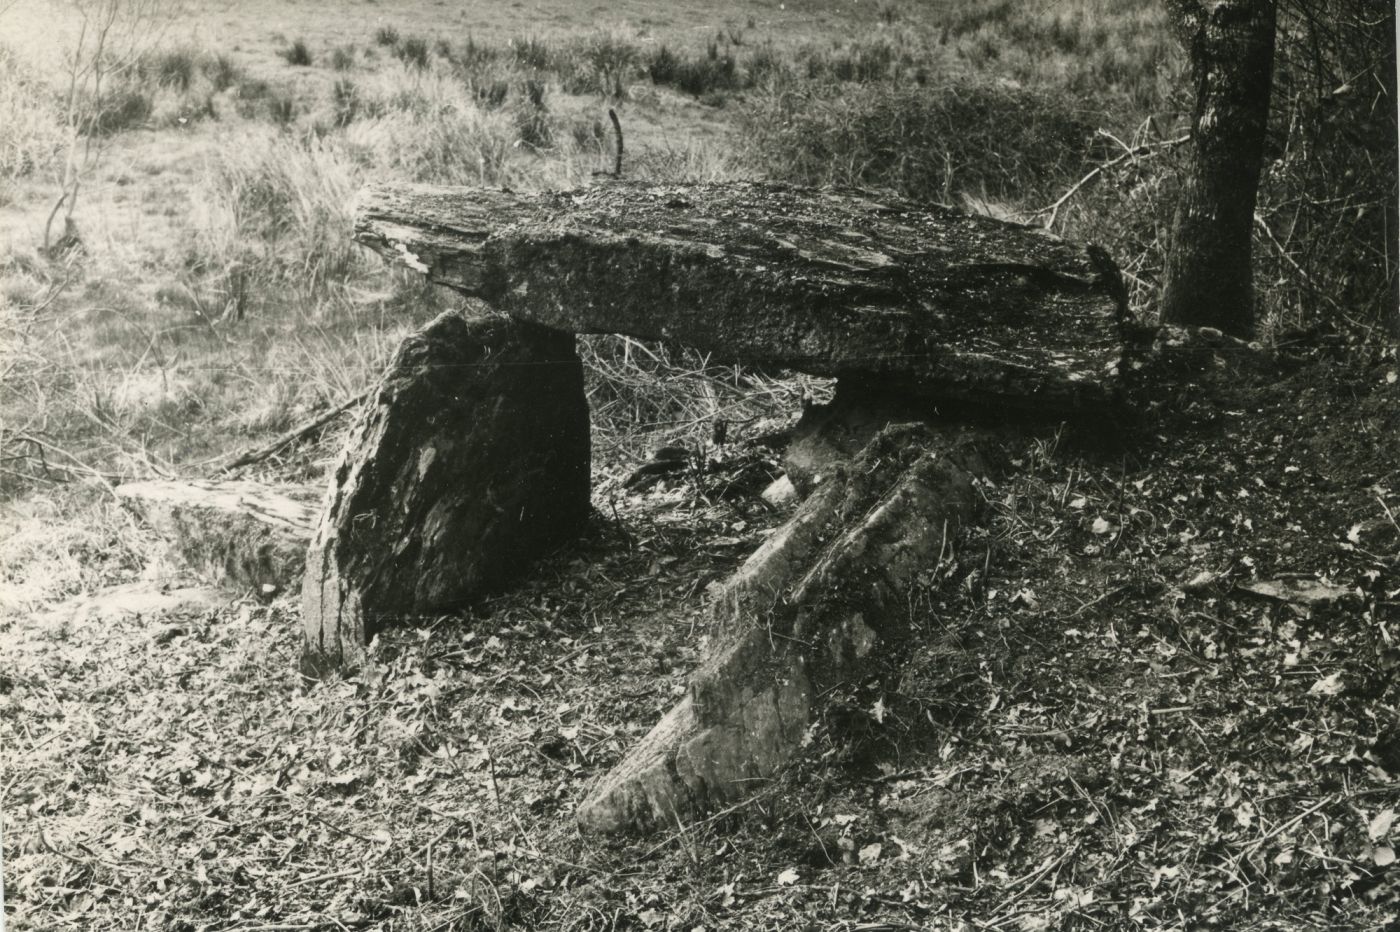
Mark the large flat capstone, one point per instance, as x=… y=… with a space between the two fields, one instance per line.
x=914 y=297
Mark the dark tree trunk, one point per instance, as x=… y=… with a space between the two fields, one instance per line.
x=1208 y=274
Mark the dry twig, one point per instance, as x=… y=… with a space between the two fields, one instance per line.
x=257 y=455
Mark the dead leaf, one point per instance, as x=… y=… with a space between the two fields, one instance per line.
x=1027 y=598
x=1165 y=873
x=1380 y=825
x=1328 y=685
x=1200 y=580
x=907 y=849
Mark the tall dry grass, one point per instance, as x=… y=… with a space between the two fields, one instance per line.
x=273 y=215
x=997 y=105
x=31 y=131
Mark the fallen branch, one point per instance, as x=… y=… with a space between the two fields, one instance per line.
x=48 y=226
x=249 y=457
x=617 y=128
x=617 y=160
x=1152 y=148
x=102 y=477
x=1286 y=257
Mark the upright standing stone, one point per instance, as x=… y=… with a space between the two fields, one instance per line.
x=824 y=601
x=472 y=461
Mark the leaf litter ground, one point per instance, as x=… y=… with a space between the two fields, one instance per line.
x=1120 y=713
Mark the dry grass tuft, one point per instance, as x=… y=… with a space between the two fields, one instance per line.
x=31 y=131
x=275 y=210
x=297 y=54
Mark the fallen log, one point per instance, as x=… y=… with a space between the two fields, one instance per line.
x=241 y=533
x=916 y=298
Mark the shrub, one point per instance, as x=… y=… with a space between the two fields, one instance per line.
x=345 y=102
x=343 y=57
x=252 y=89
x=1105 y=52
x=588 y=134
x=30 y=133
x=297 y=54
x=470 y=58
x=275 y=208
x=708 y=75
x=413 y=52
x=861 y=62
x=989 y=138
x=386 y=36
x=451 y=142
x=532 y=116
x=1325 y=250
x=598 y=65
x=221 y=71
x=663 y=65
x=493 y=95
x=123 y=107
x=173 y=68
x=532 y=53
x=971 y=16
x=161 y=87
x=697 y=76
x=764 y=65
x=282 y=107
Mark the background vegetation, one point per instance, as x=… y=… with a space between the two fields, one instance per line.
x=208 y=194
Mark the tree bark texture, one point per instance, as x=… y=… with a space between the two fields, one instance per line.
x=924 y=299
x=242 y=533
x=472 y=460
x=1208 y=277
x=824 y=602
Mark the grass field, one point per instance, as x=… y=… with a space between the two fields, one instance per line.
x=215 y=274
x=177 y=283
